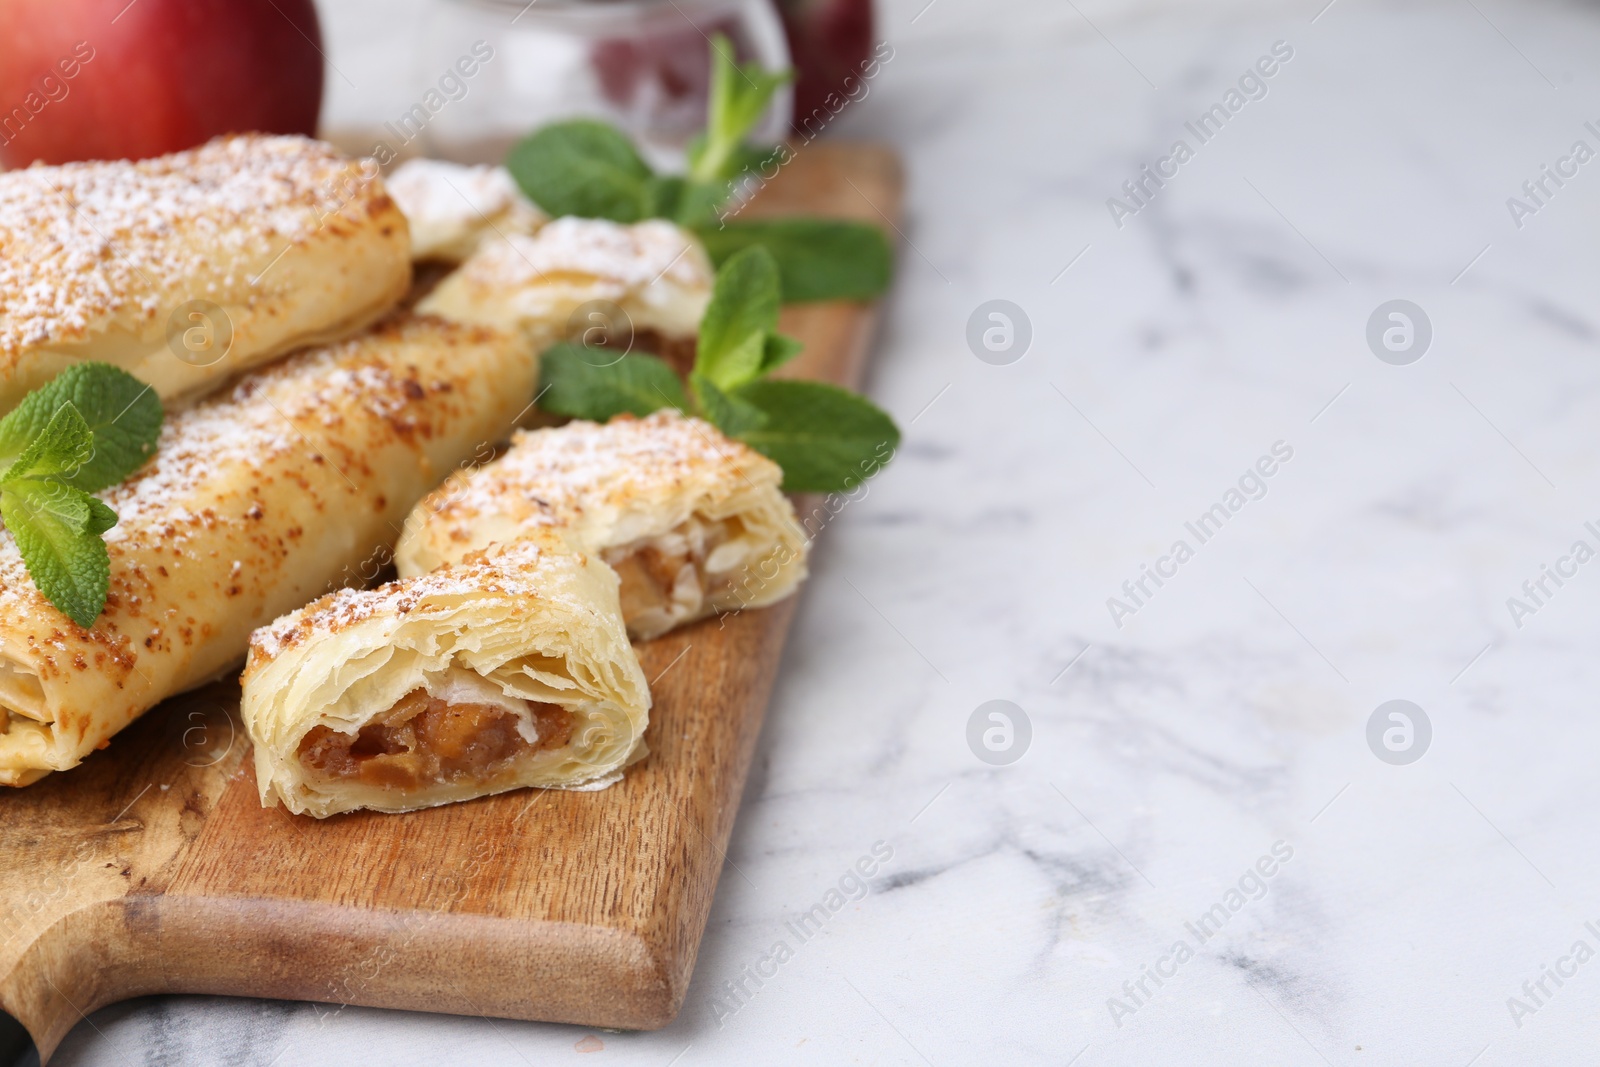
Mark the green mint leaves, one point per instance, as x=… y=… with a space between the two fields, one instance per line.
x=58 y=530
x=740 y=94
x=86 y=429
x=825 y=438
x=122 y=415
x=590 y=169
x=573 y=384
x=583 y=168
x=819 y=259
x=742 y=314
x=60 y=448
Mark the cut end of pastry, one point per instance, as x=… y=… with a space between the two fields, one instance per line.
x=695 y=569
x=507 y=671
x=27 y=750
x=456 y=732
x=29 y=743
x=693 y=523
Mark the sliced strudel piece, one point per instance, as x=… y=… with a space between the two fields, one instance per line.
x=693 y=523
x=508 y=669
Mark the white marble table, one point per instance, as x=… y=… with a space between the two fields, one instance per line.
x=1227 y=714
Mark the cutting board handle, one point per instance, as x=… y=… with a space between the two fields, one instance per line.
x=93 y=955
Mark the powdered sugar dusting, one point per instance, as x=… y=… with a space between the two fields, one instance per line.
x=432 y=189
x=448 y=203
x=250 y=426
x=630 y=256
x=520 y=570
x=558 y=470
x=84 y=241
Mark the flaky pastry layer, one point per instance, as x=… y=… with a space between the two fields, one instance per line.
x=508 y=669
x=189 y=268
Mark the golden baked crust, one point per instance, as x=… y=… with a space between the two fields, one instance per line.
x=257 y=500
x=294 y=242
x=669 y=486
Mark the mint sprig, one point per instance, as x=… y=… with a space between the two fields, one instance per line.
x=740 y=93
x=87 y=428
x=825 y=438
x=741 y=316
x=590 y=169
x=123 y=416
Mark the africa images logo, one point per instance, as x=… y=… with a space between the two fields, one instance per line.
x=1251 y=485
x=1250 y=887
x=1142 y=188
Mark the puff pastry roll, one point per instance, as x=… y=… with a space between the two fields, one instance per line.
x=506 y=670
x=692 y=522
x=256 y=501
x=189 y=268
x=658 y=274
x=452 y=208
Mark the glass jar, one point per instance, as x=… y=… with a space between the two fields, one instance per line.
x=493 y=70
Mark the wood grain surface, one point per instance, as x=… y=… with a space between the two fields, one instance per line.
x=153 y=868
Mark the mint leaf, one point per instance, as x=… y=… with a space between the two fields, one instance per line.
x=57 y=529
x=638 y=384
x=61 y=448
x=685 y=202
x=123 y=415
x=101 y=517
x=585 y=168
x=87 y=428
x=818 y=259
x=750 y=160
x=729 y=414
x=825 y=438
x=779 y=349
x=740 y=94
x=742 y=312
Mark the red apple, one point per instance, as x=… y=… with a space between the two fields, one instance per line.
x=110 y=79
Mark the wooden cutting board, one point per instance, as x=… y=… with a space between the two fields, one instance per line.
x=153 y=868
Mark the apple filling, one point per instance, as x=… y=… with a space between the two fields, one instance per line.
x=679 y=575
x=429 y=740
